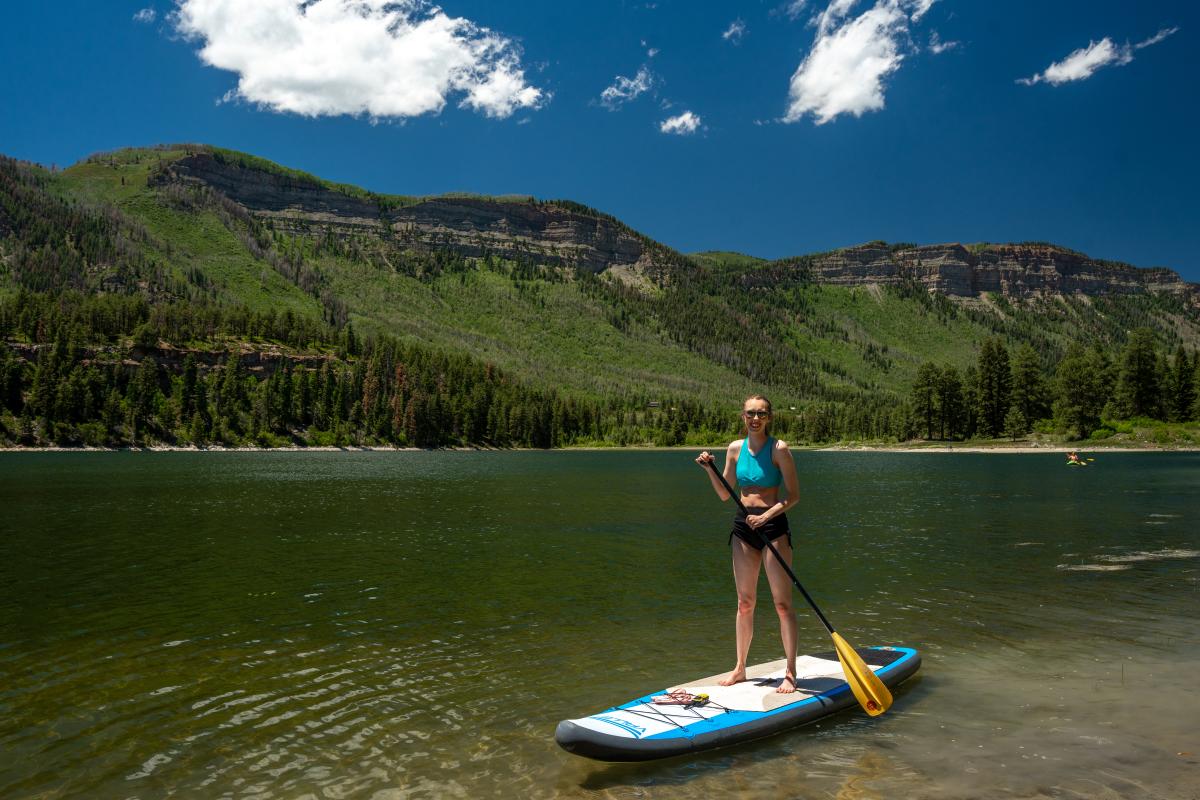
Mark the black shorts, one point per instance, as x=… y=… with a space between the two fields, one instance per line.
x=772 y=530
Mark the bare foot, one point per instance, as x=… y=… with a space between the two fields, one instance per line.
x=787 y=685
x=737 y=676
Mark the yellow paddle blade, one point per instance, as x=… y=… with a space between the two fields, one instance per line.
x=872 y=695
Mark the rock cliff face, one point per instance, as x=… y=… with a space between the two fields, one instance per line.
x=515 y=229
x=1014 y=270
x=552 y=233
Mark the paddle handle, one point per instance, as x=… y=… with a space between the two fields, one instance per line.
x=767 y=543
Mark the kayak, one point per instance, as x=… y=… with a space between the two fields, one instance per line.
x=702 y=714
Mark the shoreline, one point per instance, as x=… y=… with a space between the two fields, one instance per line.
x=1019 y=449
x=1024 y=449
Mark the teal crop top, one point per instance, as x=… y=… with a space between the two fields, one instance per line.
x=758 y=469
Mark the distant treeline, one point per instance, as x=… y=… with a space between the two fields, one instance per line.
x=96 y=370
x=1003 y=395
x=99 y=378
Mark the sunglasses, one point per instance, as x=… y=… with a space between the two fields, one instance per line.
x=756 y=414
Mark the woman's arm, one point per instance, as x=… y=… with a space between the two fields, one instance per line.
x=730 y=471
x=782 y=457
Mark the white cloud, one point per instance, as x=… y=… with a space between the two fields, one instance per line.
x=684 y=124
x=920 y=8
x=937 y=46
x=834 y=13
x=625 y=89
x=1084 y=62
x=1156 y=38
x=794 y=8
x=735 y=31
x=146 y=16
x=845 y=70
x=382 y=58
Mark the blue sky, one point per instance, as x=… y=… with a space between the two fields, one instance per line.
x=773 y=128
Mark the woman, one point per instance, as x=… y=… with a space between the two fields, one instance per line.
x=760 y=463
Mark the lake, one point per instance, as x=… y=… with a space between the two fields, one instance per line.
x=414 y=624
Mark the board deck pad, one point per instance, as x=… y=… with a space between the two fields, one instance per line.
x=759 y=692
x=642 y=730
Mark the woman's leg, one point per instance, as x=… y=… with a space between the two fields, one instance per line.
x=781 y=592
x=746 y=563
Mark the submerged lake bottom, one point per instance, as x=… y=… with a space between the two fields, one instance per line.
x=415 y=624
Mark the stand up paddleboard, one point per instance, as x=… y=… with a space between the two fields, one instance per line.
x=703 y=714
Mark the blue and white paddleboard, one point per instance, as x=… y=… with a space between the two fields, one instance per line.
x=641 y=729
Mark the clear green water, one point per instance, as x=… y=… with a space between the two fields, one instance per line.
x=396 y=625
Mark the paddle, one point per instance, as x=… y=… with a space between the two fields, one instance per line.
x=870 y=692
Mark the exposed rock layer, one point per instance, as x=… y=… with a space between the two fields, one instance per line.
x=554 y=234
x=1015 y=270
x=513 y=229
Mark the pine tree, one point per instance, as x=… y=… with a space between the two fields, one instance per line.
x=143 y=394
x=1196 y=385
x=1028 y=392
x=1079 y=392
x=11 y=373
x=200 y=402
x=1162 y=367
x=970 y=392
x=994 y=387
x=305 y=392
x=198 y=430
x=230 y=391
x=187 y=389
x=1016 y=424
x=950 y=402
x=323 y=413
x=286 y=404
x=924 y=398
x=113 y=413
x=1182 y=386
x=44 y=385
x=1138 y=392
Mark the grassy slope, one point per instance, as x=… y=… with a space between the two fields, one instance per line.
x=556 y=334
x=910 y=333
x=547 y=331
x=185 y=240
x=726 y=258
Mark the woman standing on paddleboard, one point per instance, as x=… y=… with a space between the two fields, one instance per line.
x=760 y=463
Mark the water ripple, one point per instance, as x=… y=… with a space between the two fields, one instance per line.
x=413 y=625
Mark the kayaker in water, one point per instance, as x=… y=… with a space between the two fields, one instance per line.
x=1073 y=458
x=760 y=463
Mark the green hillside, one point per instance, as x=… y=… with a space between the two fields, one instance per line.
x=704 y=331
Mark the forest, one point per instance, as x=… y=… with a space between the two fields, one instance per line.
x=136 y=312
x=1089 y=393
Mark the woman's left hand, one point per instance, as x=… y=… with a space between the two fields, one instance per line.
x=756 y=520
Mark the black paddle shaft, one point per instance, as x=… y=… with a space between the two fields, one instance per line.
x=767 y=543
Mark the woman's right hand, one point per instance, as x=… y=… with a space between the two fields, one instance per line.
x=705 y=458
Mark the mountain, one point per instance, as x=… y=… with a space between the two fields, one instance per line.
x=556 y=233
x=562 y=233
x=1019 y=271
x=560 y=296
